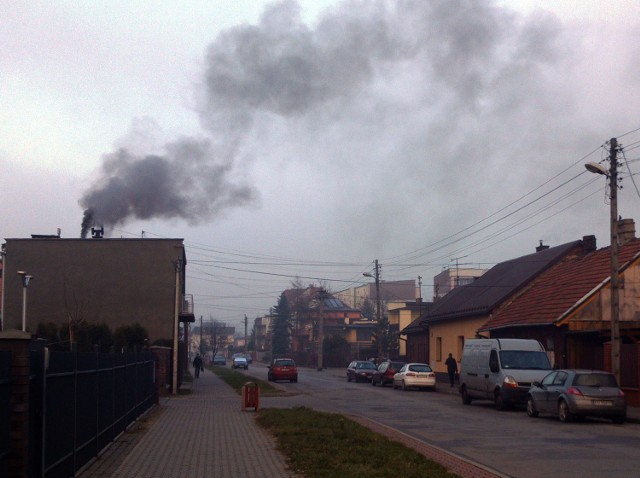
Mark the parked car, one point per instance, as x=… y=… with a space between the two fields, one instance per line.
x=360 y=371
x=219 y=360
x=576 y=394
x=283 y=369
x=385 y=372
x=415 y=375
x=240 y=362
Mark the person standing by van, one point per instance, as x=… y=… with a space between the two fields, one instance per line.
x=452 y=368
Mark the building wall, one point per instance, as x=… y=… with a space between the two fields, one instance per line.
x=401 y=315
x=448 y=337
x=116 y=281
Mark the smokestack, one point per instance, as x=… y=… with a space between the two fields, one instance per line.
x=541 y=247
x=626 y=230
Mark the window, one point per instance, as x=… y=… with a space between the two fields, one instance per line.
x=493 y=362
x=439 y=349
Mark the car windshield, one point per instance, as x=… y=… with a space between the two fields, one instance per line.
x=366 y=365
x=524 y=360
x=284 y=363
x=418 y=367
x=595 y=380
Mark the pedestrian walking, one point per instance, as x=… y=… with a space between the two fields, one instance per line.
x=452 y=368
x=197 y=365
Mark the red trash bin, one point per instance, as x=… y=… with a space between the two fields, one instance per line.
x=250 y=396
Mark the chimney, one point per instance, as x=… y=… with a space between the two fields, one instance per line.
x=97 y=233
x=589 y=243
x=541 y=247
x=626 y=231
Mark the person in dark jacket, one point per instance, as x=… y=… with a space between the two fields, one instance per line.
x=197 y=365
x=452 y=368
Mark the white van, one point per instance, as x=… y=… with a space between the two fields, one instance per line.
x=501 y=370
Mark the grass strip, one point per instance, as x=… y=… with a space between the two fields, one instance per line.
x=238 y=379
x=326 y=445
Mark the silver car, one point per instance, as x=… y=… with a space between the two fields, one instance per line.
x=578 y=393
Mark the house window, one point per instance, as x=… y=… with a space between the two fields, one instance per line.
x=438 y=349
x=363 y=335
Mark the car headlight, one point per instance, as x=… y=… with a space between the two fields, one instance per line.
x=510 y=382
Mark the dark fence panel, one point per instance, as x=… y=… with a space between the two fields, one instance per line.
x=5 y=411
x=90 y=400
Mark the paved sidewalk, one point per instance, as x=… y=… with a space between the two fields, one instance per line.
x=205 y=434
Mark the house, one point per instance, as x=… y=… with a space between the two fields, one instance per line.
x=401 y=315
x=313 y=306
x=459 y=314
x=567 y=308
x=114 y=281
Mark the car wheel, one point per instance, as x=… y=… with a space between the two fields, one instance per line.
x=295 y=380
x=531 y=408
x=348 y=378
x=373 y=383
x=499 y=402
x=404 y=386
x=563 y=412
x=269 y=379
x=466 y=399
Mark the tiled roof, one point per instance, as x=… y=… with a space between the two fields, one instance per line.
x=497 y=284
x=560 y=288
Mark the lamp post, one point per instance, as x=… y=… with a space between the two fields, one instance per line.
x=612 y=174
x=26 y=278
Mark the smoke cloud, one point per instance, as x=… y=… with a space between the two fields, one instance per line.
x=448 y=63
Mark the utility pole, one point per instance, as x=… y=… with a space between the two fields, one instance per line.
x=322 y=295
x=612 y=174
x=615 y=324
x=246 y=321
x=200 y=336
x=376 y=275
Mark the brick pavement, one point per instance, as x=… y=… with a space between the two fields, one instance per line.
x=204 y=434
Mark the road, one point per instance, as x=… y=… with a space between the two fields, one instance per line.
x=508 y=442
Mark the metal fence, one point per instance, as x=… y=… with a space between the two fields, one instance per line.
x=5 y=410
x=86 y=400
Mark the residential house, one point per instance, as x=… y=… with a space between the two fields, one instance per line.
x=313 y=306
x=459 y=314
x=567 y=308
x=401 y=315
x=114 y=281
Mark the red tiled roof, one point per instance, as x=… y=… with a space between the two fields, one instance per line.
x=554 y=292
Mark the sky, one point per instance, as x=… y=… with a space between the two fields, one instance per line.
x=300 y=141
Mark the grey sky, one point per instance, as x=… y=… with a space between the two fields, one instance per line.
x=308 y=139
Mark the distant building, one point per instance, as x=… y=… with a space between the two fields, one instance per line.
x=401 y=290
x=449 y=279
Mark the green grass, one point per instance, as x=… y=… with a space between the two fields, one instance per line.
x=237 y=380
x=328 y=445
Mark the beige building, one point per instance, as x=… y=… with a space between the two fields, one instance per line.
x=115 y=281
x=449 y=279
x=401 y=290
x=401 y=314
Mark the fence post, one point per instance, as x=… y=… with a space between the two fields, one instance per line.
x=18 y=343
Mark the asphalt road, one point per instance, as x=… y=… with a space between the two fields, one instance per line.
x=508 y=442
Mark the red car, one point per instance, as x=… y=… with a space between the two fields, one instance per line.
x=283 y=369
x=386 y=371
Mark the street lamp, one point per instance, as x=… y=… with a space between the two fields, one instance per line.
x=26 y=278
x=612 y=174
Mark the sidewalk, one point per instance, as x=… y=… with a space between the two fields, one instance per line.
x=204 y=434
